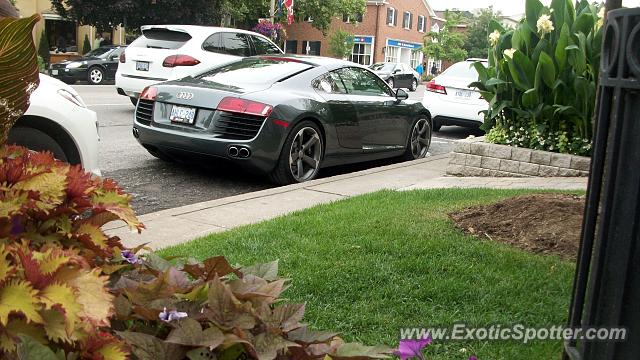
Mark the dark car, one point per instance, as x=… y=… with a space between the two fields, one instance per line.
x=398 y=75
x=283 y=116
x=95 y=67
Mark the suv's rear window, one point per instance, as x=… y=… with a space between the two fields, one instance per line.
x=161 y=39
x=463 y=69
x=254 y=71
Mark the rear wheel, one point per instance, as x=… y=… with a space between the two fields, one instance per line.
x=419 y=140
x=36 y=140
x=95 y=76
x=414 y=85
x=301 y=154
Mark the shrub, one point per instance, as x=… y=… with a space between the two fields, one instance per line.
x=212 y=310
x=541 y=78
x=86 y=45
x=341 y=44
x=43 y=48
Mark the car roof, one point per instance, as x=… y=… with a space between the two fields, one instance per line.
x=198 y=30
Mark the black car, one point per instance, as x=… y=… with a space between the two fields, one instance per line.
x=95 y=67
x=398 y=75
x=286 y=116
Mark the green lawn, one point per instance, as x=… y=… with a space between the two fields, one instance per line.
x=373 y=264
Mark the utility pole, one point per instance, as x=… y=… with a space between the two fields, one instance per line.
x=272 y=14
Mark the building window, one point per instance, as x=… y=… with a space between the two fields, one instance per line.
x=292 y=46
x=311 y=47
x=416 y=58
x=362 y=54
x=61 y=35
x=421 y=23
x=352 y=18
x=407 y=20
x=392 y=54
x=391 y=16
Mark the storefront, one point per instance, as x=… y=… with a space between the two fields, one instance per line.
x=403 y=52
x=363 y=50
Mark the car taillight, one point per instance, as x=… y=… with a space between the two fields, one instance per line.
x=123 y=57
x=242 y=106
x=180 y=60
x=149 y=93
x=433 y=87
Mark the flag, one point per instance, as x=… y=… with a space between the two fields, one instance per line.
x=288 y=4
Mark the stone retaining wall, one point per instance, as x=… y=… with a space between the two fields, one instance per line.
x=474 y=157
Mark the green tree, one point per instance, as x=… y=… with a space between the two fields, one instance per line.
x=447 y=44
x=341 y=43
x=86 y=45
x=477 y=42
x=323 y=11
x=43 y=48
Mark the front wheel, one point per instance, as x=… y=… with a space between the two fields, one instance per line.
x=414 y=85
x=301 y=154
x=36 y=140
x=419 y=140
x=95 y=76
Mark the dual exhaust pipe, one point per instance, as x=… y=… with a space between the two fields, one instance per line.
x=239 y=152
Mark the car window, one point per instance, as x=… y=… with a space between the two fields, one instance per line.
x=461 y=70
x=264 y=46
x=228 y=43
x=384 y=67
x=161 y=39
x=362 y=82
x=251 y=71
x=329 y=83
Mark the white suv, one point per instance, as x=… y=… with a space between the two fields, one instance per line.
x=169 y=52
x=58 y=121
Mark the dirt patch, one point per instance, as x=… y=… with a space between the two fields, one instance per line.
x=541 y=223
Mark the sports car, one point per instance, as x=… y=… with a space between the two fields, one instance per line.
x=285 y=116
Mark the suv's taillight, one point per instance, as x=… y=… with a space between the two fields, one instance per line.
x=242 y=106
x=433 y=87
x=149 y=93
x=180 y=60
x=123 y=57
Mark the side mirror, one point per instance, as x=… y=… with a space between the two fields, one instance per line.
x=397 y=71
x=401 y=95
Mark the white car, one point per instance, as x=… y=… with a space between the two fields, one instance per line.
x=169 y=52
x=58 y=121
x=451 y=101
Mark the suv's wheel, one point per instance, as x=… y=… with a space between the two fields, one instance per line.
x=301 y=154
x=36 y=140
x=414 y=85
x=419 y=140
x=95 y=76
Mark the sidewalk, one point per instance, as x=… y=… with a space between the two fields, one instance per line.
x=175 y=226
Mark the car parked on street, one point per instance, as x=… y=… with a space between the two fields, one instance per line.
x=96 y=66
x=398 y=75
x=169 y=52
x=58 y=121
x=450 y=99
x=286 y=116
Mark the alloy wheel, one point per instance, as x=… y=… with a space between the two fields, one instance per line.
x=420 y=138
x=305 y=154
x=414 y=85
x=96 y=76
x=391 y=83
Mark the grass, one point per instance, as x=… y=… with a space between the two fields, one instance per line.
x=371 y=265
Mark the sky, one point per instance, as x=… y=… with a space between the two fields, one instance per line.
x=507 y=7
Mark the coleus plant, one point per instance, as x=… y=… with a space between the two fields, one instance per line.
x=55 y=260
x=212 y=310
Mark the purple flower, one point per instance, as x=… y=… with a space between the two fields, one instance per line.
x=473 y=357
x=412 y=348
x=171 y=315
x=130 y=257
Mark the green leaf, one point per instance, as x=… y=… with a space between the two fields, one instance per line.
x=561 y=47
x=356 y=350
x=530 y=98
x=548 y=69
x=584 y=23
x=308 y=336
x=149 y=347
x=533 y=9
x=522 y=70
x=202 y=353
x=267 y=271
x=18 y=69
x=495 y=81
x=29 y=349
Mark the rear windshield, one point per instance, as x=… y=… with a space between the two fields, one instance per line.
x=253 y=71
x=461 y=70
x=161 y=39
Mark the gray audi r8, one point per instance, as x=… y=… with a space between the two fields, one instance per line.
x=285 y=116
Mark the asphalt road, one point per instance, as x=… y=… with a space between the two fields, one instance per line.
x=157 y=185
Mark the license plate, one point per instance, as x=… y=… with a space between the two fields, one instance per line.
x=464 y=94
x=54 y=72
x=142 y=65
x=183 y=114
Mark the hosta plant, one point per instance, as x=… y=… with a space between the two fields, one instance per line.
x=541 y=79
x=55 y=261
x=212 y=310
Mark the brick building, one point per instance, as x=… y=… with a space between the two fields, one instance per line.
x=388 y=31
